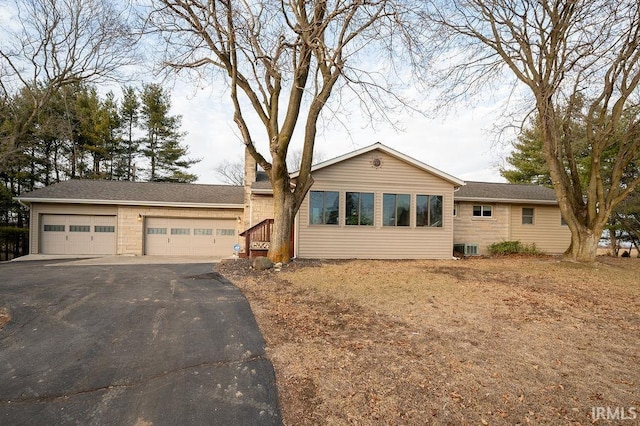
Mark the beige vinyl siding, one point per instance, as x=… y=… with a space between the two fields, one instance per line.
x=353 y=241
x=39 y=209
x=482 y=231
x=546 y=232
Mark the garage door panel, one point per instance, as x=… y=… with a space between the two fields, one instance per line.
x=77 y=234
x=190 y=237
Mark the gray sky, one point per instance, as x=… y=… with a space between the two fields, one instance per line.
x=460 y=143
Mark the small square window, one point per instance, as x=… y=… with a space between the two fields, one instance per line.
x=79 y=228
x=483 y=211
x=527 y=215
x=54 y=228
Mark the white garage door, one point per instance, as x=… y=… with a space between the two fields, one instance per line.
x=77 y=234
x=190 y=237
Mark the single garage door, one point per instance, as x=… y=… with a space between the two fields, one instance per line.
x=77 y=234
x=189 y=237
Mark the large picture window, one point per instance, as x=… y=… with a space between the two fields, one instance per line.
x=396 y=209
x=429 y=210
x=359 y=208
x=323 y=207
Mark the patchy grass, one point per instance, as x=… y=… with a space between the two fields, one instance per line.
x=479 y=341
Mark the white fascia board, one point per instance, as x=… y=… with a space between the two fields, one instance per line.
x=505 y=200
x=130 y=203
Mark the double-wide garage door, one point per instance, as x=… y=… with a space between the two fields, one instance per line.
x=77 y=234
x=189 y=237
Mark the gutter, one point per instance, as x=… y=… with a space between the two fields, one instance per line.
x=506 y=200
x=21 y=200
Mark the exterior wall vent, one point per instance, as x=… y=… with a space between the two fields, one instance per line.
x=467 y=249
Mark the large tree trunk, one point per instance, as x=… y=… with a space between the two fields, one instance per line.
x=284 y=210
x=280 y=249
x=584 y=244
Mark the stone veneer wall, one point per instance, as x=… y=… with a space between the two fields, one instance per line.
x=481 y=230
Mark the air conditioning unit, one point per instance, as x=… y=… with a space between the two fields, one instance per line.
x=467 y=249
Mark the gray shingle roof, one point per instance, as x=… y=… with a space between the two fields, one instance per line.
x=262 y=181
x=144 y=192
x=505 y=192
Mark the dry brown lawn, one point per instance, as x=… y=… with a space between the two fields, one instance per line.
x=477 y=341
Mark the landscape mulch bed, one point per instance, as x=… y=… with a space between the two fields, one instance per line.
x=526 y=340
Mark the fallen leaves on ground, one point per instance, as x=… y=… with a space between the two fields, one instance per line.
x=479 y=341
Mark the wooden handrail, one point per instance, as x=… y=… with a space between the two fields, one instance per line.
x=258 y=237
x=261 y=224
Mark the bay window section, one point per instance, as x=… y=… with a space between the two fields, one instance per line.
x=429 y=210
x=359 y=208
x=396 y=209
x=323 y=207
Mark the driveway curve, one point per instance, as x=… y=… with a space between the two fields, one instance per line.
x=134 y=344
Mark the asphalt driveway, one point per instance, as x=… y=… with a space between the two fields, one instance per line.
x=135 y=344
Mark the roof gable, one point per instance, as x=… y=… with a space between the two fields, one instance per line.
x=142 y=193
x=398 y=155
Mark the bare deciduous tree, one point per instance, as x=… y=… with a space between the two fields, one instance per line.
x=51 y=44
x=575 y=58
x=231 y=172
x=282 y=61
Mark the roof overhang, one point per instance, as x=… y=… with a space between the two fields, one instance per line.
x=129 y=203
x=392 y=152
x=505 y=200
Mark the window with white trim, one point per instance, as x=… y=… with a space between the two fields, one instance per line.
x=483 y=211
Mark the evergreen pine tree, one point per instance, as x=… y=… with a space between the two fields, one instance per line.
x=162 y=141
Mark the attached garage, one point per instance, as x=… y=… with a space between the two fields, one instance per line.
x=189 y=237
x=77 y=234
x=99 y=217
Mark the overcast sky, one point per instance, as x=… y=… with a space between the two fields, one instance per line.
x=460 y=143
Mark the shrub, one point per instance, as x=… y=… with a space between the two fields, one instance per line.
x=512 y=247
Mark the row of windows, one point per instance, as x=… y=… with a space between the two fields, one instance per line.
x=79 y=228
x=187 y=231
x=324 y=209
